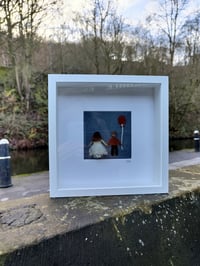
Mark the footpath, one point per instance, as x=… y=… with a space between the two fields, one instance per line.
x=38 y=183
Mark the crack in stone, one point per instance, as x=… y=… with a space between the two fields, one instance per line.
x=20 y=216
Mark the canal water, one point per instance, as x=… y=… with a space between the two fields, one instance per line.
x=180 y=144
x=31 y=161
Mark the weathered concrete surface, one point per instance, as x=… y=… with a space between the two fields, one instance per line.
x=121 y=230
x=26 y=186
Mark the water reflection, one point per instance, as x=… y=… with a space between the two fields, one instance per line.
x=31 y=161
x=180 y=144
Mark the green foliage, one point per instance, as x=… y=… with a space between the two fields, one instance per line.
x=107 y=46
x=24 y=129
x=40 y=94
x=3 y=73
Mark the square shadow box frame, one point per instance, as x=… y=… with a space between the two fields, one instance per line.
x=85 y=112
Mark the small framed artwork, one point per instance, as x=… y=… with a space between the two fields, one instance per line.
x=108 y=135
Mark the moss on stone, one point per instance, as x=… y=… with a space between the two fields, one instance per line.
x=2 y=259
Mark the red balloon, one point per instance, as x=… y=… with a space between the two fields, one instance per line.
x=122 y=120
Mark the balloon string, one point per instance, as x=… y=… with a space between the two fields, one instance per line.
x=122 y=135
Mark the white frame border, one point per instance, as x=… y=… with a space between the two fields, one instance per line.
x=161 y=106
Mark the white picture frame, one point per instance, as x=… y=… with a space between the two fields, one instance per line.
x=145 y=101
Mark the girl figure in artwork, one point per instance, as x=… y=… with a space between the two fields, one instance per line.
x=97 y=146
x=114 y=142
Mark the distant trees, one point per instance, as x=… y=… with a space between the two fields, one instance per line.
x=191 y=51
x=171 y=16
x=167 y=43
x=178 y=34
x=19 y=118
x=191 y=39
x=102 y=36
x=20 y=20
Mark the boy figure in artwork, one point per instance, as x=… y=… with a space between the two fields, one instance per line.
x=97 y=146
x=114 y=142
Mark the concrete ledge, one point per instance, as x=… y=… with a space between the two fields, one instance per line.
x=121 y=230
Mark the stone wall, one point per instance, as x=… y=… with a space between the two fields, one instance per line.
x=142 y=230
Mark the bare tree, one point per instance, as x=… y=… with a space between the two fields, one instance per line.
x=21 y=19
x=169 y=21
x=191 y=39
x=103 y=29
